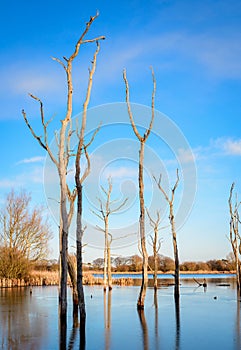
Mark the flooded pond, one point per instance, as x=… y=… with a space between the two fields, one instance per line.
x=206 y=319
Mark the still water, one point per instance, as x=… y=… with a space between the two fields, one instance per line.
x=206 y=319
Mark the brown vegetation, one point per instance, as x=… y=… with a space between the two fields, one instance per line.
x=165 y=264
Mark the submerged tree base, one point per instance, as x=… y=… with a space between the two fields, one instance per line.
x=140 y=306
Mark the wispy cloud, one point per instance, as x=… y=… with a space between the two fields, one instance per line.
x=232 y=147
x=24 y=77
x=220 y=147
x=24 y=179
x=219 y=56
x=120 y=173
x=36 y=159
x=186 y=155
x=6 y=183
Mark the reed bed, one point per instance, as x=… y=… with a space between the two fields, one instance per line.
x=51 y=278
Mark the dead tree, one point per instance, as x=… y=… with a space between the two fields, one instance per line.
x=61 y=161
x=142 y=140
x=156 y=243
x=170 y=201
x=234 y=235
x=71 y=260
x=79 y=180
x=104 y=213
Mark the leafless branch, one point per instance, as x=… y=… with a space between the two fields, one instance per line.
x=158 y=182
x=129 y=107
x=60 y=62
x=99 y=228
x=81 y=41
x=152 y=105
x=44 y=144
x=96 y=214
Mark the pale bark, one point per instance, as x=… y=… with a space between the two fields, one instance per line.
x=105 y=211
x=109 y=275
x=62 y=161
x=156 y=244
x=173 y=229
x=234 y=236
x=79 y=180
x=142 y=295
x=142 y=140
x=72 y=274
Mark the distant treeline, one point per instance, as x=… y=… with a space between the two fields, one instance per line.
x=134 y=264
x=165 y=264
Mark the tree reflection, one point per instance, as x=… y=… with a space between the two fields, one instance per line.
x=107 y=317
x=73 y=336
x=156 y=318
x=238 y=324
x=18 y=327
x=178 y=325
x=144 y=329
x=82 y=341
x=62 y=332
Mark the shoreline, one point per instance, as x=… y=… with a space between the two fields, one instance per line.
x=44 y=278
x=167 y=273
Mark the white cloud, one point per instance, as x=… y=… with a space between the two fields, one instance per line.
x=186 y=155
x=120 y=173
x=36 y=159
x=24 y=179
x=5 y=183
x=219 y=147
x=220 y=56
x=232 y=147
x=23 y=77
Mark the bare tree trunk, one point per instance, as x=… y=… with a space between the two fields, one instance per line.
x=173 y=229
x=63 y=247
x=105 y=211
x=234 y=236
x=142 y=140
x=156 y=244
x=79 y=244
x=72 y=275
x=105 y=255
x=237 y=266
x=79 y=180
x=175 y=250
x=62 y=162
x=142 y=295
x=109 y=266
x=155 y=264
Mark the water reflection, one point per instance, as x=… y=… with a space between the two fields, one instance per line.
x=238 y=325
x=178 y=325
x=31 y=322
x=107 y=318
x=156 y=319
x=144 y=329
x=82 y=342
x=72 y=339
x=77 y=328
x=19 y=324
x=62 y=333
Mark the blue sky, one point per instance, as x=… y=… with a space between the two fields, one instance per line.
x=194 y=49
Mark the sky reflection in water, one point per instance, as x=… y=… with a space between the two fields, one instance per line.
x=209 y=320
